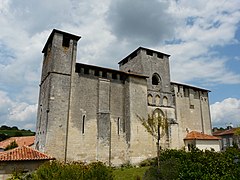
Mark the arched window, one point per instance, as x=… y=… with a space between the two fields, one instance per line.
x=157 y=100
x=156 y=81
x=150 y=99
x=165 y=101
x=83 y=124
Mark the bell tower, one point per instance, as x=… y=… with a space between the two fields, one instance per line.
x=53 y=108
x=155 y=65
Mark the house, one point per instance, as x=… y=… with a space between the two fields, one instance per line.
x=21 y=159
x=92 y=113
x=228 y=137
x=202 y=141
x=21 y=141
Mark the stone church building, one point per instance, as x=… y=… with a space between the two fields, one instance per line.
x=92 y=113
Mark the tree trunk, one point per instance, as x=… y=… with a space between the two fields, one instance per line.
x=158 y=148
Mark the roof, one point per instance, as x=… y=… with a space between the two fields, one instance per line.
x=23 y=153
x=191 y=86
x=225 y=132
x=194 y=135
x=23 y=140
x=71 y=36
x=134 y=53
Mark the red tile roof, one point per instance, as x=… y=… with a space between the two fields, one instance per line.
x=22 y=154
x=23 y=140
x=199 y=136
x=225 y=132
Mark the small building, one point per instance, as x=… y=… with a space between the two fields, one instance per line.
x=21 y=159
x=202 y=141
x=228 y=137
x=21 y=141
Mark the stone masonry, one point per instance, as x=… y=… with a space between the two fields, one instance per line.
x=90 y=113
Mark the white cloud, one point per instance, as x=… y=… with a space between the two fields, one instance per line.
x=225 y=112
x=15 y=113
x=197 y=26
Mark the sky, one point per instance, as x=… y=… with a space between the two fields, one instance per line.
x=202 y=37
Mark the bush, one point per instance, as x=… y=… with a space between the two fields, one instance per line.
x=75 y=170
x=197 y=164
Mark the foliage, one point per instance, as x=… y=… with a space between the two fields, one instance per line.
x=12 y=145
x=237 y=131
x=56 y=170
x=6 y=132
x=3 y=136
x=153 y=123
x=157 y=126
x=197 y=164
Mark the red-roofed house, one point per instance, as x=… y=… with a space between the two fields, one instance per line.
x=228 y=137
x=21 y=141
x=202 y=141
x=21 y=159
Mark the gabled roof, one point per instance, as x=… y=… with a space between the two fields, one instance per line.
x=23 y=140
x=225 y=132
x=194 y=135
x=23 y=153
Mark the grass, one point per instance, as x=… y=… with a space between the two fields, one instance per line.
x=129 y=173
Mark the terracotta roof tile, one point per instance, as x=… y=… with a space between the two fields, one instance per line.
x=23 y=140
x=225 y=132
x=200 y=136
x=23 y=153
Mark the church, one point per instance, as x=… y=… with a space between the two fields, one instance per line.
x=91 y=113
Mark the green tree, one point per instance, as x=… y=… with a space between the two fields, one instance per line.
x=12 y=145
x=157 y=126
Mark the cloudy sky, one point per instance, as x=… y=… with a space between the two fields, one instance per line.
x=202 y=37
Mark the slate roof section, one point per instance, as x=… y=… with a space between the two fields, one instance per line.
x=21 y=141
x=194 y=135
x=23 y=153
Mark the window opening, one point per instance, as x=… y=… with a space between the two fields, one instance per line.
x=114 y=76
x=160 y=55
x=86 y=71
x=83 y=124
x=104 y=74
x=155 y=80
x=118 y=125
x=66 y=41
x=96 y=73
x=150 y=53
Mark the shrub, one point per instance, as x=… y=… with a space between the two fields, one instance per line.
x=56 y=170
x=12 y=145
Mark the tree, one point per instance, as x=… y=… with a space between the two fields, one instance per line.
x=12 y=145
x=157 y=126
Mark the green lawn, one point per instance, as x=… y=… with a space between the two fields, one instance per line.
x=129 y=173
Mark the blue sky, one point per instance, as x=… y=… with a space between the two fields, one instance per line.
x=202 y=37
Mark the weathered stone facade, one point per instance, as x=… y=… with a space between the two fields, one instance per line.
x=91 y=113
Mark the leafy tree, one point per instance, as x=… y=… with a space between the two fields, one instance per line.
x=12 y=145
x=3 y=136
x=157 y=126
x=237 y=131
